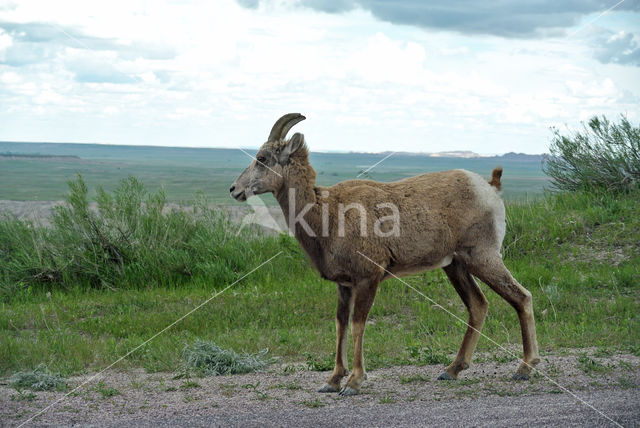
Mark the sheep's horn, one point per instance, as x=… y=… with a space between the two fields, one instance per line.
x=283 y=125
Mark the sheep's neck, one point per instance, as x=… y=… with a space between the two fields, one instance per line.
x=297 y=198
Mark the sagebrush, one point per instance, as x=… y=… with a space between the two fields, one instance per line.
x=207 y=358
x=604 y=155
x=130 y=239
x=38 y=379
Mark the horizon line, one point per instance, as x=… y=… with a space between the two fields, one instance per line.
x=430 y=154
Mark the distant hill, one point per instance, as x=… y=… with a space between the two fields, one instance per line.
x=523 y=157
x=456 y=154
x=9 y=155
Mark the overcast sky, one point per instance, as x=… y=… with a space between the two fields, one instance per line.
x=370 y=75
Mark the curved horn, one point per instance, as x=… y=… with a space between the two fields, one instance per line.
x=283 y=125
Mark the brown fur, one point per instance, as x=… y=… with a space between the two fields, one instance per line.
x=495 y=178
x=445 y=221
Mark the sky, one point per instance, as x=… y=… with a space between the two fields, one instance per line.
x=369 y=75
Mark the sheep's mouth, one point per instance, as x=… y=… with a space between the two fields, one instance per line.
x=239 y=196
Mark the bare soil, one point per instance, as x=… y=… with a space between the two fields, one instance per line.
x=134 y=397
x=268 y=219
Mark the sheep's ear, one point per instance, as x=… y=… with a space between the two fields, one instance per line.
x=292 y=146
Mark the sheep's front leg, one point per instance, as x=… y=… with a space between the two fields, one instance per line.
x=345 y=303
x=363 y=300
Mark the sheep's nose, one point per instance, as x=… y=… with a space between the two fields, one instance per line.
x=232 y=188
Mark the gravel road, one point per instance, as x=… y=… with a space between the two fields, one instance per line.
x=623 y=406
x=285 y=395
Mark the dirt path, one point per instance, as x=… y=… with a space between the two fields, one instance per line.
x=408 y=396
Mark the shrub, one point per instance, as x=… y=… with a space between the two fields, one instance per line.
x=38 y=379
x=131 y=239
x=603 y=155
x=209 y=359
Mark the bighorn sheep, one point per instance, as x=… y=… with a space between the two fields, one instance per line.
x=358 y=233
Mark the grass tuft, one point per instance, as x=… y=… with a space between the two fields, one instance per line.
x=38 y=379
x=590 y=365
x=207 y=358
x=428 y=355
x=318 y=364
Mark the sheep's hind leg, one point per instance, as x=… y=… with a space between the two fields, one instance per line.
x=477 y=305
x=364 y=296
x=494 y=273
x=345 y=303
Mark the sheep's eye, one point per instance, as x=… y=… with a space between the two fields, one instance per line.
x=261 y=159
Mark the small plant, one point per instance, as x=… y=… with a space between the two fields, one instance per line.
x=228 y=389
x=252 y=386
x=503 y=358
x=589 y=365
x=23 y=396
x=316 y=364
x=291 y=386
x=626 y=383
x=189 y=385
x=413 y=379
x=428 y=355
x=387 y=399
x=209 y=359
x=313 y=403
x=39 y=379
x=106 y=391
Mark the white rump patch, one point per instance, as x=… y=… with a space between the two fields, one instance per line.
x=489 y=200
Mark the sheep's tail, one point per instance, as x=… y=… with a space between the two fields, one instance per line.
x=495 y=178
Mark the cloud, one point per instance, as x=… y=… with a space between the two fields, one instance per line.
x=95 y=72
x=619 y=48
x=104 y=75
x=504 y=18
x=35 y=42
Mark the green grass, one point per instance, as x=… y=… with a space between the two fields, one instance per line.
x=387 y=399
x=428 y=355
x=106 y=391
x=590 y=365
x=577 y=253
x=313 y=404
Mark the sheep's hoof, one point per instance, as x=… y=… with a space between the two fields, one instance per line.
x=446 y=376
x=347 y=391
x=520 y=376
x=328 y=388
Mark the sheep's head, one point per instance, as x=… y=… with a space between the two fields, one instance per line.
x=265 y=173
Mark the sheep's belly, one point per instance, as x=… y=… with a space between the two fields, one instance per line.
x=399 y=270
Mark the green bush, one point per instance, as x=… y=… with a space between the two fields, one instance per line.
x=603 y=155
x=38 y=379
x=132 y=239
x=207 y=358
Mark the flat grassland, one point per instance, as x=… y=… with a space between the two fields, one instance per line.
x=185 y=172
